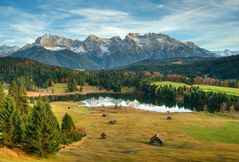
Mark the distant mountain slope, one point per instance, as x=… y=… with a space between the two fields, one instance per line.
x=6 y=50
x=225 y=53
x=64 y=58
x=102 y=53
x=224 y=67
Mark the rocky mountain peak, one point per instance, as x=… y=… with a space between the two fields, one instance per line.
x=132 y=35
x=92 y=38
x=54 y=42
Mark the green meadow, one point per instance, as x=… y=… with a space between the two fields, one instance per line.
x=207 y=88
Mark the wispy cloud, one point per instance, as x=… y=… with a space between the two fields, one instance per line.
x=211 y=24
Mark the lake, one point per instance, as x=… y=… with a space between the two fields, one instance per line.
x=132 y=97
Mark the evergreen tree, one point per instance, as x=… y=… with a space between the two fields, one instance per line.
x=81 y=89
x=69 y=131
x=11 y=124
x=18 y=92
x=72 y=86
x=42 y=131
x=67 y=123
x=2 y=93
x=13 y=90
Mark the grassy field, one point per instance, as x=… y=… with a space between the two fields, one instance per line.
x=227 y=90
x=229 y=134
x=61 y=89
x=164 y=83
x=188 y=137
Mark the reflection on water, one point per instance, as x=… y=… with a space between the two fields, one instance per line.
x=107 y=101
x=132 y=97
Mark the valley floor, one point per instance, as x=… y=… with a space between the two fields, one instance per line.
x=188 y=136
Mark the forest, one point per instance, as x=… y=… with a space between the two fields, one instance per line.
x=33 y=129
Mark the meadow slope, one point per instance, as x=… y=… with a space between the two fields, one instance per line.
x=188 y=137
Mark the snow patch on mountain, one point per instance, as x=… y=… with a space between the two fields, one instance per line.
x=104 y=49
x=55 y=48
x=78 y=49
x=225 y=53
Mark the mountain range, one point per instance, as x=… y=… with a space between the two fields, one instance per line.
x=6 y=50
x=225 y=53
x=107 y=53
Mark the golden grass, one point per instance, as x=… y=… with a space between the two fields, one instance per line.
x=60 y=89
x=128 y=139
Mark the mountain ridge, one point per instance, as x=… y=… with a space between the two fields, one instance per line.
x=108 y=53
x=6 y=50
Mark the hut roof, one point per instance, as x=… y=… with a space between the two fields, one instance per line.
x=169 y=118
x=156 y=137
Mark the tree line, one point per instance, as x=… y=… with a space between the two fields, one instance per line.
x=34 y=74
x=219 y=101
x=34 y=129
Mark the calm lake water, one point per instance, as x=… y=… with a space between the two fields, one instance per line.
x=131 y=97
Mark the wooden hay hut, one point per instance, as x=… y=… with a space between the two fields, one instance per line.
x=156 y=140
x=103 y=135
x=113 y=122
x=169 y=118
x=104 y=115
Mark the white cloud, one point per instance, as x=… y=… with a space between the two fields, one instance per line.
x=204 y=22
x=160 y=6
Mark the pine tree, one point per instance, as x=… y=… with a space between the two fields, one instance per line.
x=2 y=93
x=81 y=89
x=13 y=90
x=18 y=92
x=69 y=131
x=67 y=124
x=42 y=131
x=11 y=125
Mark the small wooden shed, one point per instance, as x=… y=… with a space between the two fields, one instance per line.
x=156 y=140
x=169 y=118
x=113 y=122
x=103 y=135
x=104 y=115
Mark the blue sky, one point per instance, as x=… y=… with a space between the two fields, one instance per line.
x=211 y=24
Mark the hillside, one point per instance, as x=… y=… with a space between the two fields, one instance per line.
x=188 y=137
x=222 y=68
x=32 y=71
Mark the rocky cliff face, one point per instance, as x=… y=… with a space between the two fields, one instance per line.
x=116 y=52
